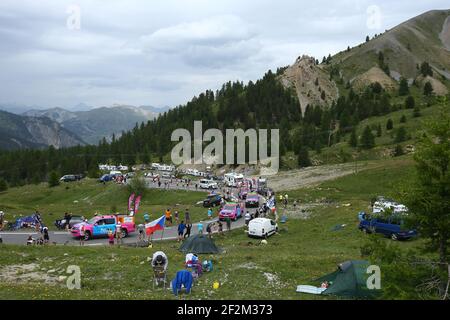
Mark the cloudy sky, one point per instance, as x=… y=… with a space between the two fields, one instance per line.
x=162 y=53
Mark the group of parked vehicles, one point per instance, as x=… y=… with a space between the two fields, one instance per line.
x=388 y=219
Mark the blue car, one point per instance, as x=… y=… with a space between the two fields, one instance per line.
x=106 y=178
x=390 y=227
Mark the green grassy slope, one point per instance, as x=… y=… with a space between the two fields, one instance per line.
x=88 y=196
x=303 y=250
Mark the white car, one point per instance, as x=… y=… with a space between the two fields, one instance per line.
x=262 y=227
x=208 y=184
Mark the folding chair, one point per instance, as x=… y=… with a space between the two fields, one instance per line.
x=159 y=275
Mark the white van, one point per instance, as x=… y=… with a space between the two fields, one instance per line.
x=208 y=184
x=233 y=179
x=262 y=227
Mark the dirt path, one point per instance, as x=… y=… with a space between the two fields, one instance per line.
x=309 y=177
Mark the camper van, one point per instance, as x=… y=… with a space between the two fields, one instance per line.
x=262 y=227
x=233 y=179
x=208 y=184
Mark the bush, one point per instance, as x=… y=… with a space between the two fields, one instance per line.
x=53 y=179
x=367 y=139
x=398 y=151
x=303 y=158
x=389 y=125
x=137 y=185
x=3 y=185
x=400 y=135
x=410 y=102
x=403 y=119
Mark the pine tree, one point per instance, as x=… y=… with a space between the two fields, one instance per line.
x=410 y=102
x=3 y=185
x=353 y=142
x=367 y=139
x=367 y=38
x=400 y=136
x=303 y=158
x=398 y=151
x=53 y=179
x=389 y=124
x=379 y=131
x=403 y=89
x=403 y=119
x=425 y=69
x=427 y=89
x=416 y=112
x=427 y=198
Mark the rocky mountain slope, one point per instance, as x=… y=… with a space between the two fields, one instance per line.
x=425 y=38
x=94 y=124
x=33 y=132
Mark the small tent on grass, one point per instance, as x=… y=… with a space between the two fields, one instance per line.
x=349 y=280
x=199 y=244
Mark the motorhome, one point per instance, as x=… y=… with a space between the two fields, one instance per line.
x=233 y=179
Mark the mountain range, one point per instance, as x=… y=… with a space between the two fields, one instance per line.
x=385 y=59
x=17 y=132
x=95 y=124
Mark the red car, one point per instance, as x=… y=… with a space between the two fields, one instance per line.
x=231 y=210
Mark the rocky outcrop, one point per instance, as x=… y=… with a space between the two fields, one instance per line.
x=311 y=83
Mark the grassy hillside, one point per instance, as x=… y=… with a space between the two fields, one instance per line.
x=404 y=46
x=88 y=196
x=304 y=249
x=342 y=152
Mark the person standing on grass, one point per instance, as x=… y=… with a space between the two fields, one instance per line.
x=188 y=231
x=210 y=213
x=82 y=234
x=119 y=233
x=187 y=216
x=228 y=221
x=46 y=236
x=295 y=204
x=110 y=237
x=221 y=228
x=176 y=214
x=208 y=229
x=200 y=228
x=248 y=217
x=168 y=215
x=181 y=228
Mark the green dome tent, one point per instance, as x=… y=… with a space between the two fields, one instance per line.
x=349 y=280
x=199 y=244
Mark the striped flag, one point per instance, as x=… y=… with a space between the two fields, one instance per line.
x=155 y=225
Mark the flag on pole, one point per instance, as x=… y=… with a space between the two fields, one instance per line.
x=130 y=201
x=137 y=201
x=155 y=225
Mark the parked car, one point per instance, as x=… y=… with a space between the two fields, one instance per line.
x=106 y=178
x=212 y=200
x=79 y=176
x=208 y=184
x=62 y=223
x=252 y=200
x=262 y=227
x=243 y=193
x=231 y=210
x=390 y=227
x=98 y=226
x=129 y=175
x=68 y=178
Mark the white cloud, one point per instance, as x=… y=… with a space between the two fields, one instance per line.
x=165 y=52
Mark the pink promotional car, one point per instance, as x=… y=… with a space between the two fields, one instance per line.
x=99 y=226
x=231 y=210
